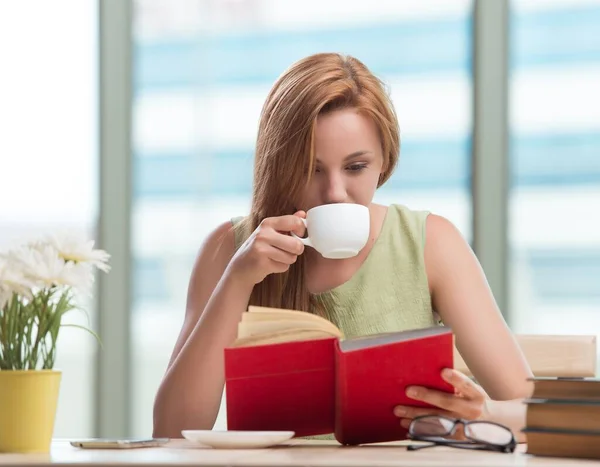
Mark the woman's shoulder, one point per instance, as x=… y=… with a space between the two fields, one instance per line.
x=225 y=238
x=409 y=212
x=221 y=243
x=241 y=230
x=221 y=237
x=237 y=220
x=424 y=225
x=419 y=216
x=410 y=222
x=214 y=254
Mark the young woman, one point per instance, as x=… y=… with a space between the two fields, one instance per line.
x=328 y=133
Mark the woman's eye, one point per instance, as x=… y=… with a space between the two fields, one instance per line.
x=356 y=167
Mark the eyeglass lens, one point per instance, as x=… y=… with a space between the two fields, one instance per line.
x=482 y=432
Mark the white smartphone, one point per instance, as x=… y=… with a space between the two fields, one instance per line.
x=100 y=443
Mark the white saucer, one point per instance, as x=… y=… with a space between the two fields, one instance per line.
x=237 y=439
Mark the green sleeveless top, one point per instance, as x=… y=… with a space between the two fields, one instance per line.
x=390 y=290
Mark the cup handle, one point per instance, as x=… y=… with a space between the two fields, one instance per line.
x=306 y=240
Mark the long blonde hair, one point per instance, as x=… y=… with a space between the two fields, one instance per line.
x=285 y=149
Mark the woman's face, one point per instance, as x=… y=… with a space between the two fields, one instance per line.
x=349 y=160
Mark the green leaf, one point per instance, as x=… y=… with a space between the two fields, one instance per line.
x=85 y=329
x=29 y=329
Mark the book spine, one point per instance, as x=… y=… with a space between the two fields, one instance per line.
x=341 y=389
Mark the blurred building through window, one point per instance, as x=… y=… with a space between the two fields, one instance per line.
x=49 y=159
x=202 y=71
x=555 y=166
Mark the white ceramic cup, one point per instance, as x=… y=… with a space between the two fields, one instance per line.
x=337 y=231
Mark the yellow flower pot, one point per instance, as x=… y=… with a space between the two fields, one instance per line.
x=28 y=400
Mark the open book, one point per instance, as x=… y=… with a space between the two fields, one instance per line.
x=292 y=370
x=262 y=326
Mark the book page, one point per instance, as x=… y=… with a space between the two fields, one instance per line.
x=289 y=316
x=290 y=335
x=263 y=325
x=257 y=328
x=265 y=313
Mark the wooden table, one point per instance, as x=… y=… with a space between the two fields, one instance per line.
x=293 y=453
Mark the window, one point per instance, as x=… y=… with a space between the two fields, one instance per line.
x=49 y=157
x=202 y=71
x=555 y=159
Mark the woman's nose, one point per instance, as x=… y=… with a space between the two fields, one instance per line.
x=335 y=191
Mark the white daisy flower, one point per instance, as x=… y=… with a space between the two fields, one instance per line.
x=12 y=280
x=75 y=249
x=46 y=268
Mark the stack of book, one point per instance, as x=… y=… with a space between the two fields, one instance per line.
x=563 y=418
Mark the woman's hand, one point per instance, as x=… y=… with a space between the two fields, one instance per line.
x=469 y=401
x=269 y=249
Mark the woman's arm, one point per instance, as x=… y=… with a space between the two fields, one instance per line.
x=464 y=301
x=220 y=286
x=512 y=414
x=190 y=393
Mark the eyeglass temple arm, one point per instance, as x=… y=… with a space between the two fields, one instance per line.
x=416 y=447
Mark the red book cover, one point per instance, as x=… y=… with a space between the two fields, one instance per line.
x=326 y=386
x=288 y=386
x=371 y=379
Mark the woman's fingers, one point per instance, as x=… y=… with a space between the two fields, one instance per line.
x=286 y=224
x=403 y=411
x=456 y=404
x=463 y=384
x=285 y=243
x=468 y=401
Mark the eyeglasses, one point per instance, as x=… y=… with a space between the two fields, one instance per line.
x=482 y=435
